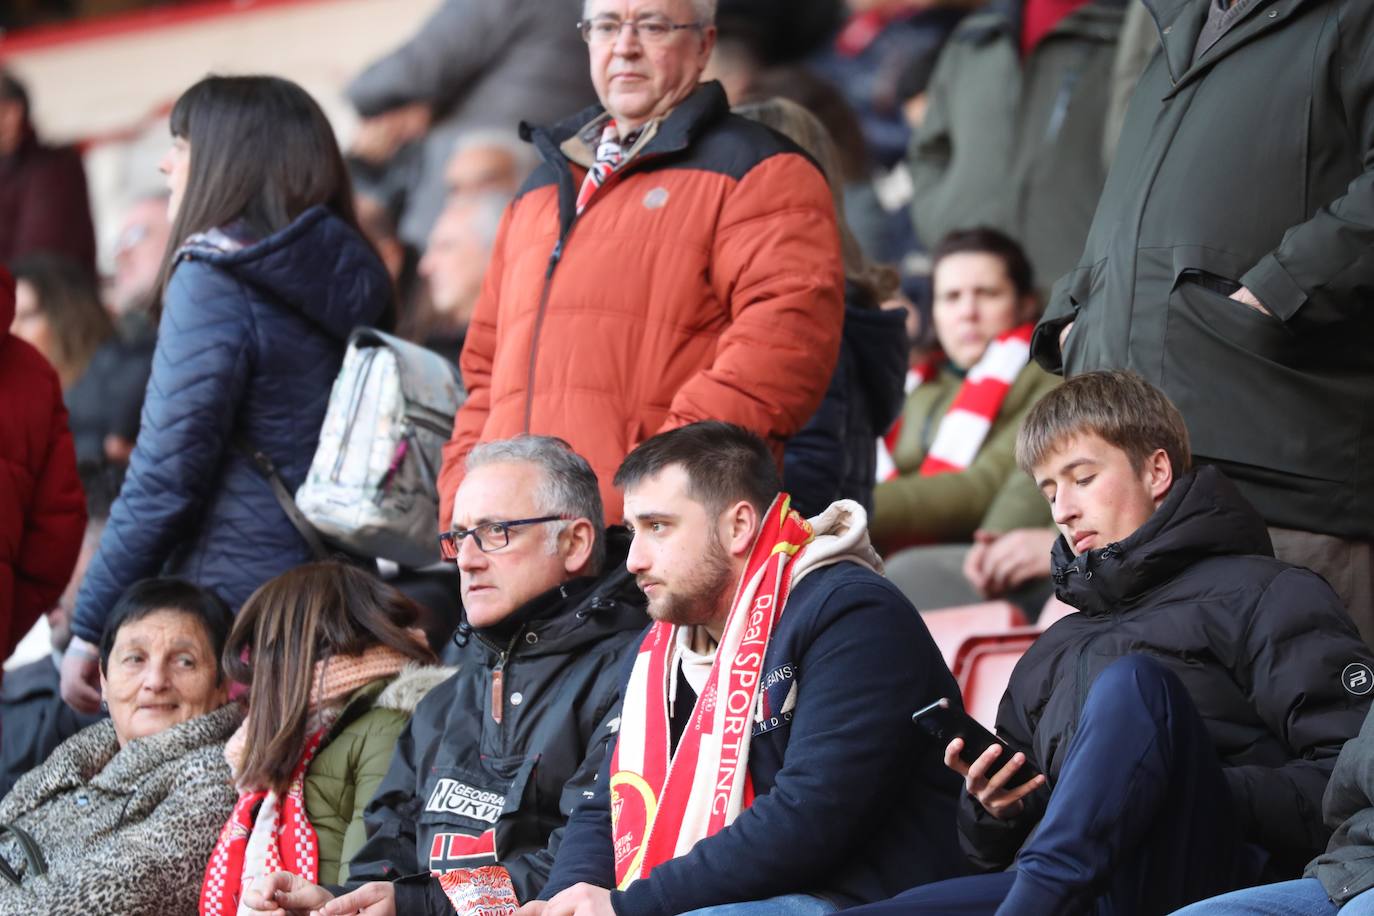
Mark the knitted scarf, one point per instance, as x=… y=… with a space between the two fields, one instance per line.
x=965 y=426
x=266 y=832
x=663 y=801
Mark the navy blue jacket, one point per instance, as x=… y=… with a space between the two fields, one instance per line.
x=249 y=345
x=835 y=455
x=852 y=803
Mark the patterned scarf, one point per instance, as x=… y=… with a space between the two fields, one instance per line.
x=662 y=800
x=610 y=155
x=266 y=832
x=965 y=426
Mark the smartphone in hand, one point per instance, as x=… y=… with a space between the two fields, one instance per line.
x=944 y=723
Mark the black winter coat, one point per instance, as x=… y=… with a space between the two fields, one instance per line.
x=249 y=344
x=459 y=774
x=835 y=455
x=1260 y=645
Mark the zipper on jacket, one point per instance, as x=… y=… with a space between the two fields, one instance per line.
x=554 y=258
x=498 y=679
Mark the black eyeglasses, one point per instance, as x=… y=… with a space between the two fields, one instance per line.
x=489 y=537
x=652 y=30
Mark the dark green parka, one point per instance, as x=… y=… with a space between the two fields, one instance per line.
x=1252 y=165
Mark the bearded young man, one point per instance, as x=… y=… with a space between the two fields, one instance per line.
x=766 y=762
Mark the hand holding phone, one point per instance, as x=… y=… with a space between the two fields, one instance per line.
x=998 y=778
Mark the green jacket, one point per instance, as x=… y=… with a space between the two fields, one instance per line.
x=1253 y=166
x=353 y=758
x=1016 y=145
x=991 y=493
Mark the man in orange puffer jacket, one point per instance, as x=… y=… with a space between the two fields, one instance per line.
x=668 y=262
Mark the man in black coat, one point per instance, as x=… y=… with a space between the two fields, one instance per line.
x=1187 y=719
x=496 y=757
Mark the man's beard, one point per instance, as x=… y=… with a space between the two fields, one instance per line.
x=700 y=597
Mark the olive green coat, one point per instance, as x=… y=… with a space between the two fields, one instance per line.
x=991 y=493
x=353 y=758
x=1253 y=166
x=1018 y=145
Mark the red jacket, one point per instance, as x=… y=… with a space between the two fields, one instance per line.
x=42 y=507
x=703 y=281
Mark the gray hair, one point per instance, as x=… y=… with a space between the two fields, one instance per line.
x=569 y=487
x=524 y=156
x=703 y=10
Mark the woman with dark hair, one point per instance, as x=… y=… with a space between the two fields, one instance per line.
x=957 y=488
x=265 y=276
x=121 y=817
x=58 y=310
x=335 y=670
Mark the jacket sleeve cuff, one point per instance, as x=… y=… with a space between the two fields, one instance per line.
x=1275 y=288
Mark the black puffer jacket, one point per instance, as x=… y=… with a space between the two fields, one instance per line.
x=465 y=789
x=1260 y=645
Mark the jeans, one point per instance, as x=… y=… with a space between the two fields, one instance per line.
x=786 y=905
x=1304 y=897
x=1140 y=819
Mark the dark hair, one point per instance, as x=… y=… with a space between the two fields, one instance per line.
x=70 y=299
x=1121 y=407
x=983 y=240
x=178 y=596
x=262 y=152
x=12 y=90
x=725 y=463
x=306 y=615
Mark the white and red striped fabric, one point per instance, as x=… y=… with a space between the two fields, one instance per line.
x=965 y=426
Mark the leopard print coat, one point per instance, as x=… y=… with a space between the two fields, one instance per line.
x=125 y=832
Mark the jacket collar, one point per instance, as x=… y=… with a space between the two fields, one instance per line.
x=1181 y=21
x=1203 y=516
x=676 y=132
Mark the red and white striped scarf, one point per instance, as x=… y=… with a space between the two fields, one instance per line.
x=664 y=801
x=965 y=426
x=265 y=833
x=610 y=155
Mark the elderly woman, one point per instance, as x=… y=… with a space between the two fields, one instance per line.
x=122 y=816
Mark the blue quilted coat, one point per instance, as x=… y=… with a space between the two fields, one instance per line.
x=248 y=347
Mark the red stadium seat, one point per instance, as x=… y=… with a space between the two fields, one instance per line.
x=983 y=668
x=951 y=627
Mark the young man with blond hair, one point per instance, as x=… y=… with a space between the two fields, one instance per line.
x=1186 y=720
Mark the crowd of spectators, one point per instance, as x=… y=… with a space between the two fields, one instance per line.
x=783 y=329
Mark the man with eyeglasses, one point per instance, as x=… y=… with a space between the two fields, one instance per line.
x=667 y=263
x=495 y=758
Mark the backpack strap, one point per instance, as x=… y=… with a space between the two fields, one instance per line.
x=268 y=470
x=33 y=855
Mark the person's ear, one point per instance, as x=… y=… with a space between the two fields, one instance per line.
x=1029 y=309
x=1159 y=475
x=708 y=44
x=739 y=524
x=576 y=543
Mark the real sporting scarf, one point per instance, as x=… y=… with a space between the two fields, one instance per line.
x=664 y=801
x=265 y=833
x=965 y=426
x=610 y=155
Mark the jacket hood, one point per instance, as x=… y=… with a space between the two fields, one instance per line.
x=612 y=604
x=1203 y=516
x=409 y=687
x=877 y=338
x=319 y=266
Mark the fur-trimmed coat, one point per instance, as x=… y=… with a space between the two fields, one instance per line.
x=123 y=831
